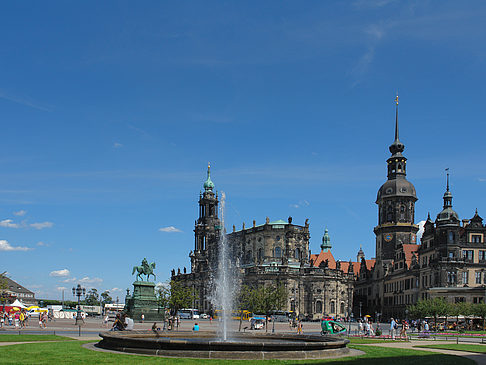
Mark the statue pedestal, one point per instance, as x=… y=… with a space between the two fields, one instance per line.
x=143 y=300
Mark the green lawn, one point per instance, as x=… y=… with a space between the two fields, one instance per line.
x=459 y=347
x=24 y=338
x=71 y=352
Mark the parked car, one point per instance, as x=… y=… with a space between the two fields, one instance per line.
x=204 y=316
x=257 y=323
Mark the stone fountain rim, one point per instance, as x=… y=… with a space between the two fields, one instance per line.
x=204 y=345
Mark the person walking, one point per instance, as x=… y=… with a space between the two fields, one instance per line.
x=403 y=331
x=299 y=328
x=143 y=318
x=195 y=328
x=393 y=326
x=360 y=327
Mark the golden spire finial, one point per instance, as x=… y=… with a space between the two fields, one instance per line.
x=209 y=168
x=396 y=99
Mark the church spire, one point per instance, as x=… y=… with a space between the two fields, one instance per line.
x=447 y=194
x=208 y=184
x=326 y=241
x=397 y=162
x=396 y=147
x=396 y=119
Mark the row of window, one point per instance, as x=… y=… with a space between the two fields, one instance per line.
x=400 y=285
x=399 y=299
x=277 y=253
x=319 y=307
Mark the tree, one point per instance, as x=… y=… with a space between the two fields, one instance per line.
x=92 y=298
x=180 y=297
x=479 y=310
x=263 y=299
x=106 y=298
x=3 y=288
x=163 y=295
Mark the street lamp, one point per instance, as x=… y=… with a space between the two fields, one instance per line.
x=78 y=292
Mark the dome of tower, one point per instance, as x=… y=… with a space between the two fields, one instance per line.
x=396 y=187
x=446 y=214
x=208 y=184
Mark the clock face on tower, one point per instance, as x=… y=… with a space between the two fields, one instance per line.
x=388 y=237
x=414 y=238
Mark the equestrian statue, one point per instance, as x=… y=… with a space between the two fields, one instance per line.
x=144 y=269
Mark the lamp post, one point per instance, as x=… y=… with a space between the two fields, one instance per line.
x=78 y=292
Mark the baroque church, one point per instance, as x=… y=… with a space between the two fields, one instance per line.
x=270 y=253
x=450 y=262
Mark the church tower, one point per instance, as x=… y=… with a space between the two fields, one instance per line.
x=396 y=204
x=207 y=228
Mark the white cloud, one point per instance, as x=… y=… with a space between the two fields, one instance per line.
x=41 y=225
x=5 y=246
x=8 y=223
x=20 y=213
x=42 y=244
x=481 y=179
x=115 y=289
x=421 y=229
x=117 y=145
x=69 y=280
x=61 y=288
x=169 y=229
x=300 y=204
x=89 y=280
x=60 y=273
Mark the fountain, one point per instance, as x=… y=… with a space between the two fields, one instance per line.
x=225 y=278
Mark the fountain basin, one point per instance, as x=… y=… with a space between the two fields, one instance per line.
x=241 y=345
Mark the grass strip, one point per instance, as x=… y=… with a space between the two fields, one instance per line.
x=72 y=352
x=481 y=349
x=24 y=338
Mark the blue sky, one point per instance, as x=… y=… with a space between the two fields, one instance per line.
x=110 y=112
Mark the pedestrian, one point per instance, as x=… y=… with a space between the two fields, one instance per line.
x=17 y=319
x=2 y=319
x=360 y=327
x=403 y=331
x=299 y=328
x=143 y=318
x=105 y=321
x=393 y=326
x=195 y=328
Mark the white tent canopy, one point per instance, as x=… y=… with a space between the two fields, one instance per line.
x=17 y=304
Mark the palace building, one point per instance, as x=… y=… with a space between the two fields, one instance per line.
x=450 y=262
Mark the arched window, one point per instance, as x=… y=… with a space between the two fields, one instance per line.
x=342 y=307
x=451 y=237
x=260 y=254
x=248 y=256
x=389 y=214
x=278 y=252
x=333 y=307
x=297 y=253
x=402 y=213
x=318 y=306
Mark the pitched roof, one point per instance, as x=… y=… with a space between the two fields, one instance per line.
x=408 y=250
x=317 y=259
